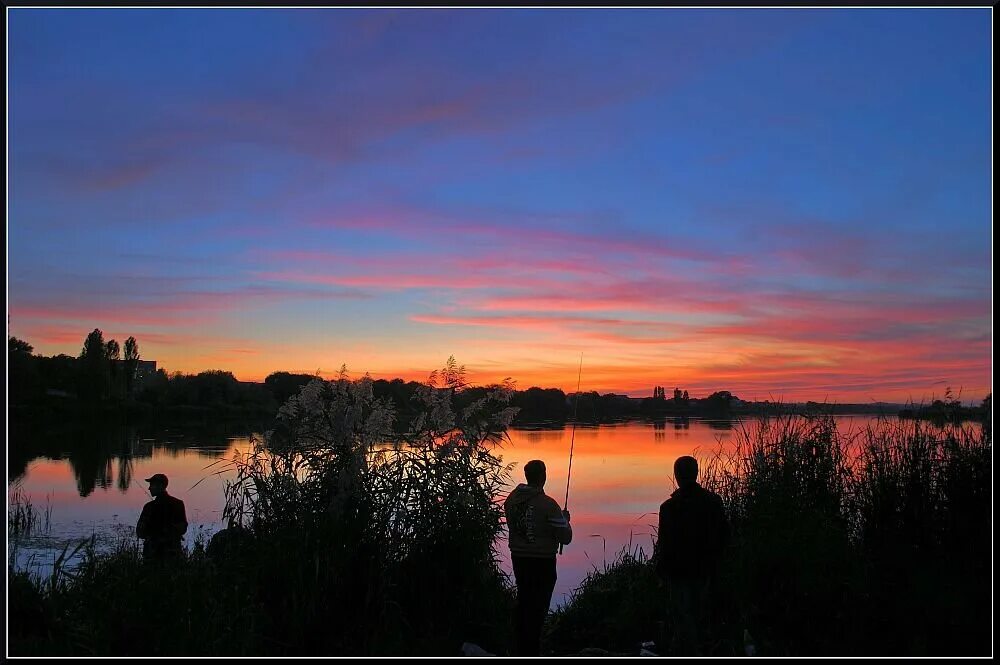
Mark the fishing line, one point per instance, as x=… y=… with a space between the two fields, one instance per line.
x=572 y=439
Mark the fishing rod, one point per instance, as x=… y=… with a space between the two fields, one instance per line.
x=572 y=439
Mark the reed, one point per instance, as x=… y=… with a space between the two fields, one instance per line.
x=338 y=542
x=22 y=517
x=867 y=542
x=615 y=608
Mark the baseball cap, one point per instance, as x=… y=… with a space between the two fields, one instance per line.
x=157 y=478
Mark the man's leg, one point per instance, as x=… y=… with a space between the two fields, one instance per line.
x=521 y=609
x=546 y=583
x=533 y=606
x=683 y=610
x=702 y=614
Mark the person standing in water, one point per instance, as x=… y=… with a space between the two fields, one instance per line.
x=536 y=526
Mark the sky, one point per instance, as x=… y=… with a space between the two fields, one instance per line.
x=785 y=204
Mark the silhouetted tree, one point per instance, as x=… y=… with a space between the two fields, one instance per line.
x=113 y=353
x=131 y=362
x=93 y=346
x=15 y=345
x=60 y=372
x=131 y=349
x=283 y=385
x=22 y=375
x=719 y=402
x=154 y=388
x=403 y=396
x=95 y=363
x=540 y=404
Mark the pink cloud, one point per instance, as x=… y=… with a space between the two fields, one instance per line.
x=518 y=231
x=397 y=281
x=73 y=336
x=180 y=308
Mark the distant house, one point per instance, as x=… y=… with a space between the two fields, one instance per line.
x=144 y=370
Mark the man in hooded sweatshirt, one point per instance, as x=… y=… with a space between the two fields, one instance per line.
x=692 y=537
x=537 y=527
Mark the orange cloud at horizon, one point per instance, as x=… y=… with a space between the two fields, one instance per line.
x=753 y=369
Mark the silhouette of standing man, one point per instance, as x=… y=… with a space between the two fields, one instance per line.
x=692 y=536
x=162 y=523
x=536 y=526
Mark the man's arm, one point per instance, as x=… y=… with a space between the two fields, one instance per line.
x=663 y=537
x=143 y=524
x=558 y=521
x=180 y=524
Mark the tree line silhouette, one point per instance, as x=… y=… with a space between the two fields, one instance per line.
x=104 y=377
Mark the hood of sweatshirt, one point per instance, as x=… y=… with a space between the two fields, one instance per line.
x=521 y=494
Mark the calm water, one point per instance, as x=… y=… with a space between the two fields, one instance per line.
x=621 y=473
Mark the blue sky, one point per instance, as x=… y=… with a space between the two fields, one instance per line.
x=793 y=202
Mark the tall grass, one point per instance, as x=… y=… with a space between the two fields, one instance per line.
x=338 y=542
x=612 y=609
x=868 y=542
x=23 y=519
x=114 y=604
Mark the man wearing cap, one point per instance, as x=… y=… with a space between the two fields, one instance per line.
x=162 y=523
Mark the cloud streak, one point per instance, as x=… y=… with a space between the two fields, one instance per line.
x=388 y=188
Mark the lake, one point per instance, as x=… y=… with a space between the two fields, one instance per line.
x=92 y=481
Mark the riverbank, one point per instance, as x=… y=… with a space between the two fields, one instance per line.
x=891 y=534
x=874 y=543
x=334 y=546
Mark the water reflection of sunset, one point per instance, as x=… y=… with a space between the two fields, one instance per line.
x=621 y=474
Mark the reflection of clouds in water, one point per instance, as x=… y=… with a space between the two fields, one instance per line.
x=538 y=436
x=620 y=472
x=38 y=553
x=94 y=478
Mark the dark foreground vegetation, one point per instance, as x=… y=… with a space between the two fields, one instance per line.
x=870 y=543
x=337 y=544
x=949 y=410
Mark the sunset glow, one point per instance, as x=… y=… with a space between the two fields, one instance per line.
x=783 y=204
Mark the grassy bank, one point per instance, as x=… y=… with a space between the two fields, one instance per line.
x=336 y=545
x=273 y=600
x=875 y=542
